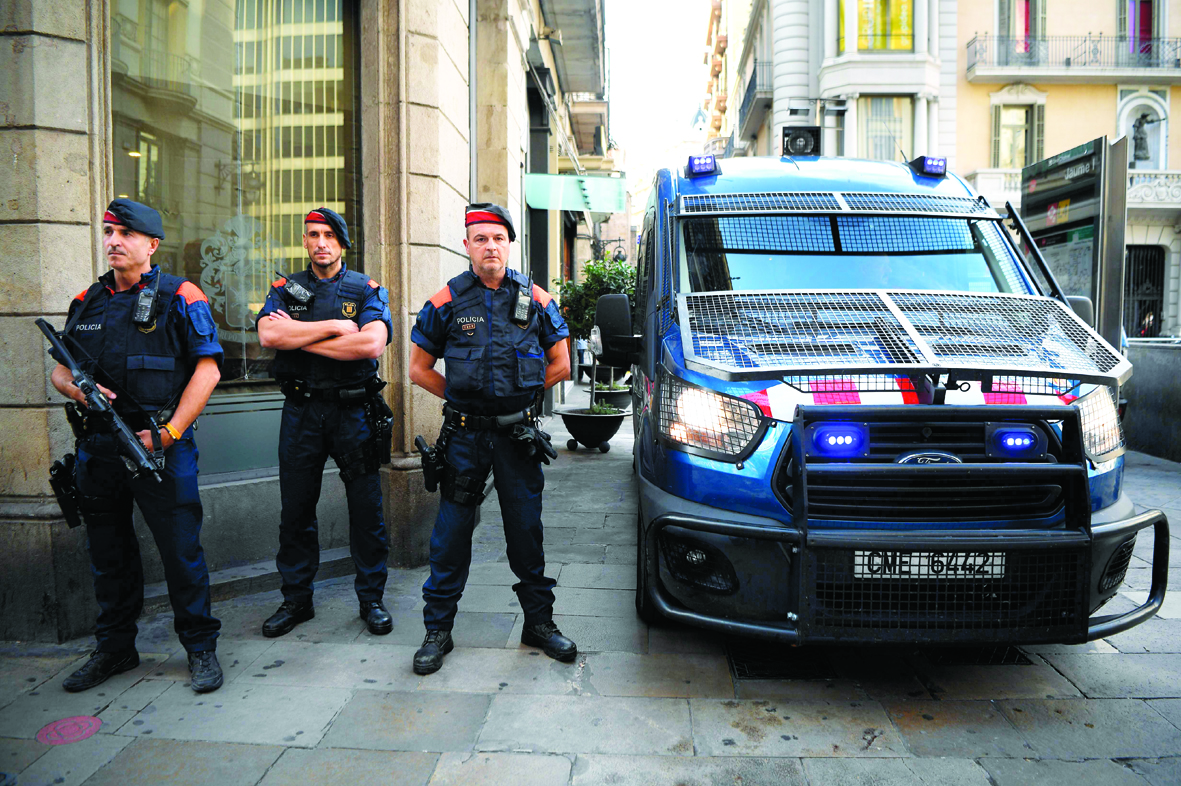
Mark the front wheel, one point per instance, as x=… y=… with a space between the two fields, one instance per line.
x=645 y=608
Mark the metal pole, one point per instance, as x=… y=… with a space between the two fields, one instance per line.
x=472 y=105
x=1110 y=275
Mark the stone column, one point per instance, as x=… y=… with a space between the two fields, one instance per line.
x=921 y=20
x=851 y=26
x=933 y=127
x=830 y=30
x=414 y=121
x=851 y=123
x=502 y=112
x=55 y=119
x=920 y=126
x=933 y=27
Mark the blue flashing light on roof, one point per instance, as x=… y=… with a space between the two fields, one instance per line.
x=931 y=166
x=701 y=165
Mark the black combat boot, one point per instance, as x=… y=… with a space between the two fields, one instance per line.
x=376 y=617
x=99 y=668
x=287 y=617
x=429 y=657
x=206 y=671
x=547 y=636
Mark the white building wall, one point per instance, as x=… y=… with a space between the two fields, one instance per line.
x=790 y=39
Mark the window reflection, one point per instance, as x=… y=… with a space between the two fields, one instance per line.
x=233 y=119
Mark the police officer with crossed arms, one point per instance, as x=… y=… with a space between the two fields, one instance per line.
x=503 y=343
x=149 y=340
x=329 y=325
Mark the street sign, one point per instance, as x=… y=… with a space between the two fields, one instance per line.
x=1074 y=205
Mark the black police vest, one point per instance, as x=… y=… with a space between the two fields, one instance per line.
x=343 y=301
x=489 y=348
x=149 y=362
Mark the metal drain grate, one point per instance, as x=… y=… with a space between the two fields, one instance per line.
x=976 y=656
x=752 y=660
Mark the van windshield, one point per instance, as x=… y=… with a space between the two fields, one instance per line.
x=847 y=252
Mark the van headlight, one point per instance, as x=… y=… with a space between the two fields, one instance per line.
x=1103 y=434
x=701 y=421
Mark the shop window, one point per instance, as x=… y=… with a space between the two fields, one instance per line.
x=1017 y=135
x=886 y=124
x=233 y=119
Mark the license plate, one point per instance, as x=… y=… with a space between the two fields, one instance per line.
x=928 y=564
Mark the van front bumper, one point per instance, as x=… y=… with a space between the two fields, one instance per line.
x=761 y=577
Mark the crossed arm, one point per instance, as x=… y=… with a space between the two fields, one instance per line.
x=338 y=339
x=423 y=373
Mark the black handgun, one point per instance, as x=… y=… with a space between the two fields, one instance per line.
x=138 y=459
x=61 y=480
x=431 y=469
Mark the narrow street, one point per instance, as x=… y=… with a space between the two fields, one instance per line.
x=331 y=703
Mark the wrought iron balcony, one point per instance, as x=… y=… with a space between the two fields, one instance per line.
x=756 y=98
x=1072 y=58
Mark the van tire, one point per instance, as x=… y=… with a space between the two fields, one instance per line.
x=645 y=608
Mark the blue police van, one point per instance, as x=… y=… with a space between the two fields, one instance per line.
x=862 y=415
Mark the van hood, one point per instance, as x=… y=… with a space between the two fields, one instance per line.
x=1010 y=343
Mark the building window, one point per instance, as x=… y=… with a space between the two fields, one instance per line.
x=882 y=25
x=1144 y=291
x=1017 y=135
x=1138 y=23
x=1021 y=31
x=233 y=120
x=886 y=124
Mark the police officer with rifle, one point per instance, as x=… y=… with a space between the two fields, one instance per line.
x=503 y=343
x=329 y=325
x=139 y=355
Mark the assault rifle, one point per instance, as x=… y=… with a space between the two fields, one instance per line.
x=138 y=459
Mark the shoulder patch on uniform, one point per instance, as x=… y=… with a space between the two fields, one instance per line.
x=279 y=283
x=81 y=295
x=441 y=298
x=374 y=284
x=191 y=293
x=541 y=296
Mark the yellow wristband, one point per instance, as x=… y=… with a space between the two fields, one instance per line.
x=172 y=432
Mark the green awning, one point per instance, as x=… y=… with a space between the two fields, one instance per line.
x=576 y=192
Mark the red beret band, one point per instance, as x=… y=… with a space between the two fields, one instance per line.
x=315 y=217
x=483 y=217
x=110 y=218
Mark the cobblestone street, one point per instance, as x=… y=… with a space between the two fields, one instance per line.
x=330 y=703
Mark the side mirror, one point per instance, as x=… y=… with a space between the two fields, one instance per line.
x=1083 y=308
x=613 y=318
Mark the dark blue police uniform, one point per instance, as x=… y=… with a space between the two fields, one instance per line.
x=493 y=366
x=324 y=415
x=150 y=364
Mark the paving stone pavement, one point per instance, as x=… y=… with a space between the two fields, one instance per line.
x=331 y=703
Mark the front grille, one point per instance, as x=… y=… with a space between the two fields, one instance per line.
x=909 y=496
x=888 y=440
x=1117 y=566
x=1039 y=597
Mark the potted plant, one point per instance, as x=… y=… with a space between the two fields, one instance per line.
x=594 y=426
x=606 y=276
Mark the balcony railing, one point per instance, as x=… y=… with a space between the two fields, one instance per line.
x=760 y=81
x=1154 y=188
x=1080 y=51
x=729 y=151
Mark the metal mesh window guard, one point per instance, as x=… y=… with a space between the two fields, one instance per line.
x=745 y=203
x=862 y=331
x=896 y=234
x=916 y=203
x=835 y=202
x=758 y=234
x=990 y=233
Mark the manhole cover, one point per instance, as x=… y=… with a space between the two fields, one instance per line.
x=67 y=730
x=976 y=656
x=759 y=661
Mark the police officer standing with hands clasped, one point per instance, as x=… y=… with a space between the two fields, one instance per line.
x=503 y=343
x=149 y=340
x=329 y=325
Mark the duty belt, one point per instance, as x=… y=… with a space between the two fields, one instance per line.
x=300 y=390
x=454 y=417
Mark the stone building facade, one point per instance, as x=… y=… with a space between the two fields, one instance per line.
x=233 y=117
